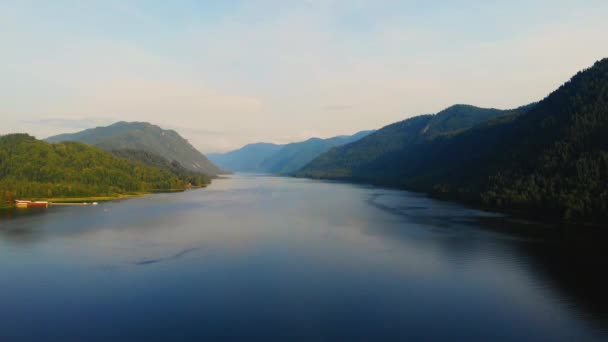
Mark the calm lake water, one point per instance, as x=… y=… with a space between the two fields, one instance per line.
x=268 y=258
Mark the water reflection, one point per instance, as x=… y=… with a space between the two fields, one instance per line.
x=277 y=258
x=569 y=259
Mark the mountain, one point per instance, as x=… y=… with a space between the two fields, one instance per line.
x=294 y=156
x=189 y=177
x=31 y=168
x=362 y=160
x=248 y=158
x=549 y=159
x=146 y=137
x=280 y=159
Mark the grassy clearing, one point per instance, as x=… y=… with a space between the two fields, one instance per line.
x=6 y=206
x=90 y=199
x=104 y=198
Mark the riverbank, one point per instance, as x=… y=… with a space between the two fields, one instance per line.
x=89 y=199
x=537 y=217
x=105 y=198
x=92 y=198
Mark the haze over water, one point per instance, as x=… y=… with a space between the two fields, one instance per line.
x=258 y=257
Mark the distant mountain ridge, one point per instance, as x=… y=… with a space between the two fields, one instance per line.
x=397 y=140
x=146 y=137
x=279 y=159
x=248 y=158
x=548 y=158
x=294 y=156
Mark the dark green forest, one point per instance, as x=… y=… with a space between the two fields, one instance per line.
x=31 y=168
x=401 y=141
x=187 y=176
x=549 y=158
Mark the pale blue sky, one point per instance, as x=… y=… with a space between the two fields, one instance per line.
x=225 y=73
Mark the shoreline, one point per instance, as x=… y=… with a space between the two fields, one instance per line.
x=102 y=198
x=511 y=214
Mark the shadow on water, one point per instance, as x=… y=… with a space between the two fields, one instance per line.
x=574 y=263
x=24 y=233
x=570 y=260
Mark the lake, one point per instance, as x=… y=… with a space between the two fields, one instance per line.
x=255 y=257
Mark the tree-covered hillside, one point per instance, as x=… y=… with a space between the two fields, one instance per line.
x=146 y=137
x=555 y=158
x=31 y=168
x=187 y=176
x=551 y=158
x=363 y=159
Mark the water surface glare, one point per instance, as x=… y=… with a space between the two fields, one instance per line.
x=270 y=258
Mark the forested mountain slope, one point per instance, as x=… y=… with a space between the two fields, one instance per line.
x=362 y=159
x=31 y=168
x=551 y=158
x=146 y=137
x=187 y=176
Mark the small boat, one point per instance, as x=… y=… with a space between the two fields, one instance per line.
x=29 y=204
